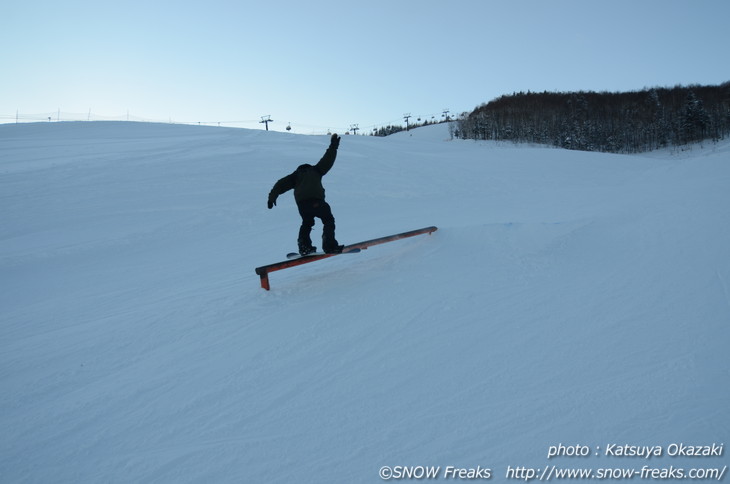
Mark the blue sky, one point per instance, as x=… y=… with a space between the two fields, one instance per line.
x=326 y=65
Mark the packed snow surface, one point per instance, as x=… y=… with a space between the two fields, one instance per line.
x=567 y=298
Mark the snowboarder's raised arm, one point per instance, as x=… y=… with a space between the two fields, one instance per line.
x=325 y=164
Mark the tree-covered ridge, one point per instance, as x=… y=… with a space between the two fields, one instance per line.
x=628 y=122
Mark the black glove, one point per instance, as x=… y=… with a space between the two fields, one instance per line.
x=272 y=201
x=335 y=142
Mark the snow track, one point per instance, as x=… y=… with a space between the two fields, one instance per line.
x=566 y=297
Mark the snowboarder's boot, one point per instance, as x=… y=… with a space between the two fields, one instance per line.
x=329 y=242
x=303 y=250
x=334 y=249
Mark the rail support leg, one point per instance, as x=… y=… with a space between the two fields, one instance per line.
x=264 y=280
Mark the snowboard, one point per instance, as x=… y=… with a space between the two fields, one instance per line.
x=295 y=255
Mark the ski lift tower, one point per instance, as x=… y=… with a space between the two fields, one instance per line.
x=266 y=120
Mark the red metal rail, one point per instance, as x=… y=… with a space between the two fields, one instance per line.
x=264 y=271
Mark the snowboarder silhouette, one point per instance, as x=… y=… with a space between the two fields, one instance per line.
x=306 y=181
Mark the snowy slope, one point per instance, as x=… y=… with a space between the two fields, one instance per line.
x=568 y=297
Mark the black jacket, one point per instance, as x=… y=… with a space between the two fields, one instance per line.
x=306 y=180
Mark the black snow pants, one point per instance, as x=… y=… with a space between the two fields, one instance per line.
x=309 y=209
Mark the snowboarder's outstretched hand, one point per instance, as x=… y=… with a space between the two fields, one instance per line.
x=335 y=142
x=272 y=201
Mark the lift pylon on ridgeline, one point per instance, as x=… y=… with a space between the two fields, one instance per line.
x=264 y=271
